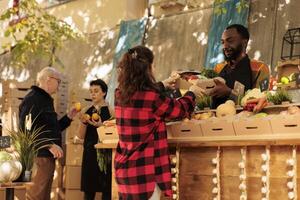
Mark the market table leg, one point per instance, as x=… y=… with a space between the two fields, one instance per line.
x=9 y=194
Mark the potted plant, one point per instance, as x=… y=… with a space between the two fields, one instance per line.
x=26 y=143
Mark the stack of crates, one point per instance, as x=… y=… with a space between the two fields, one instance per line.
x=13 y=93
x=73 y=152
x=61 y=98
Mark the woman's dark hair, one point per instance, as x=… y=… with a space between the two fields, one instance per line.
x=135 y=73
x=102 y=84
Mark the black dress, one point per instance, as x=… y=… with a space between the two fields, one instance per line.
x=92 y=179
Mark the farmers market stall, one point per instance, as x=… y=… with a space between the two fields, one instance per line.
x=231 y=153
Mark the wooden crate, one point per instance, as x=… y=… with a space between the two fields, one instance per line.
x=10 y=120
x=252 y=126
x=82 y=96
x=217 y=127
x=72 y=130
x=73 y=154
x=285 y=124
x=108 y=134
x=71 y=177
x=191 y=129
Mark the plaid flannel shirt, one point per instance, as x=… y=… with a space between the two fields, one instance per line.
x=142 y=158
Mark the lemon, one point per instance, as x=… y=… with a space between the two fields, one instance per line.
x=284 y=80
x=95 y=116
x=77 y=106
x=87 y=116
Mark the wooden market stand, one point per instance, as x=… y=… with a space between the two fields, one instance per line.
x=195 y=166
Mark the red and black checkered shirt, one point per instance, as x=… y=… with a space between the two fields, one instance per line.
x=142 y=158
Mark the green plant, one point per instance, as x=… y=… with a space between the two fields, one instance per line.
x=33 y=32
x=103 y=158
x=203 y=102
x=280 y=96
x=209 y=73
x=27 y=143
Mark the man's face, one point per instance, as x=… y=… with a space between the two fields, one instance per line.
x=53 y=83
x=233 y=44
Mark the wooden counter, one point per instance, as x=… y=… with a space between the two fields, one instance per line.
x=196 y=169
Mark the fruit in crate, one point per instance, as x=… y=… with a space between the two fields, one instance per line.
x=226 y=109
x=95 y=116
x=203 y=116
x=292 y=110
x=249 y=107
x=186 y=120
x=260 y=115
x=77 y=106
x=284 y=80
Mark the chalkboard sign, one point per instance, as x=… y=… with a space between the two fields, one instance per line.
x=264 y=85
x=4 y=142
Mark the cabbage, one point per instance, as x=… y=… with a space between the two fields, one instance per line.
x=4 y=156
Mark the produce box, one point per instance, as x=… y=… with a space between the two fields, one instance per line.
x=287 y=124
x=182 y=129
x=252 y=126
x=108 y=134
x=72 y=177
x=217 y=127
x=206 y=84
x=73 y=154
x=285 y=69
x=74 y=194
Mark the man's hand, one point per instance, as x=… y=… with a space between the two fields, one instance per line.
x=56 y=151
x=220 y=90
x=73 y=112
x=260 y=104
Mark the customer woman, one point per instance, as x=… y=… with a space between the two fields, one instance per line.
x=95 y=176
x=142 y=159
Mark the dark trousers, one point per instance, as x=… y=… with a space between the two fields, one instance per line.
x=91 y=195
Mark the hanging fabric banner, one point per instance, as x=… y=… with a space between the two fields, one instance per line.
x=224 y=14
x=131 y=34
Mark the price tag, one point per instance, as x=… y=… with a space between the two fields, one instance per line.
x=4 y=142
x=239 y=88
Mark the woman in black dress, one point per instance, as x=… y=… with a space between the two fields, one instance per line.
x=95 y=176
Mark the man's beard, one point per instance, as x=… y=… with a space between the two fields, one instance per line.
x=235 y=52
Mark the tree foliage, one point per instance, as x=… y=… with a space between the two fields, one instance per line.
x=32 y=32
x=221 y=9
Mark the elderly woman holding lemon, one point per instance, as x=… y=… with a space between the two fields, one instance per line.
x=95 y=174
